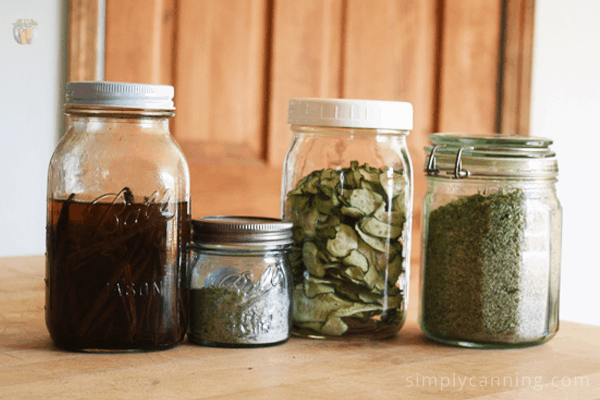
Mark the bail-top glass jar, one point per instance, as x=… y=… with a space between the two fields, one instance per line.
x=118 y=222
x=492 y=241
x=240 y=281
x=347 y=187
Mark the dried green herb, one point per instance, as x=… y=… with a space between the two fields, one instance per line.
x=225 y=315
x=473 y=268
x=347 y=254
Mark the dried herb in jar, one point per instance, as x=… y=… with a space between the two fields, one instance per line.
x=225 y=315
x=347 y=254
x=473 y=275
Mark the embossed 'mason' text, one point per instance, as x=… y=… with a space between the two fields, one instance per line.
x=140 y=289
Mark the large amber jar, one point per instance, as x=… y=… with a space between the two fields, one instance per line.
x=347 y=187
x=118 y=222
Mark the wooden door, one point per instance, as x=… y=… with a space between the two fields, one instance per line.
x=463 y=64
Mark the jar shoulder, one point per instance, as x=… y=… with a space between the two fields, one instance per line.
x=97 y=163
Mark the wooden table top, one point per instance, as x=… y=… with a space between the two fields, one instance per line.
x=406 y=367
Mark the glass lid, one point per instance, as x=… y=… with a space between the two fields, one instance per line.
x=457 y=156
x=491 y=145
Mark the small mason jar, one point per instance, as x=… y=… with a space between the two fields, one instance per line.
x=118 y=222
x=240 y=281
x=347 y=187
x=492 y=241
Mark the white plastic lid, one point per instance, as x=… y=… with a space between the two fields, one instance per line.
x=121 y=95
x=351 y=113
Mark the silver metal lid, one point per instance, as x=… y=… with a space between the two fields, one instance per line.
x=120 y=95
x=256 y=231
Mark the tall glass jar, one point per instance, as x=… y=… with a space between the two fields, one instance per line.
x=240 y=281
x=492 y=241
x=118 y=222
x=347 y=187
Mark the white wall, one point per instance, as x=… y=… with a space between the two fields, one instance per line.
x=566 y=108
x=31 y=87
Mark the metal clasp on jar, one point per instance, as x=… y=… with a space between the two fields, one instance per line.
x=458 y=173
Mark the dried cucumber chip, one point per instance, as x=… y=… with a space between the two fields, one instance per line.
x=347 y=255
x=379 y=244
x=334 y=327
x=374 y=227
x=326 y=305
x=356 y=259
x=394 y=218
x=311 y=261
x=314 y=287
x=364 y=200
x=345 y=240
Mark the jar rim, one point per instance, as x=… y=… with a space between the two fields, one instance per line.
x=351 y=113
x=241 y=230
x=101 y=111
x=491 y=145
x=120 y=95
x=312 y=130
x=458 y=156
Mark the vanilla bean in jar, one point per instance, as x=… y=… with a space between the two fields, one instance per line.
x=118 y=222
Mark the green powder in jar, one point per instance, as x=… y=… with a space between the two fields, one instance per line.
x=230 y=316
x=473 y=276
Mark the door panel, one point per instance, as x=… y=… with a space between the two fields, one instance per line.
x=220 y=73
x=469 y=70
x=305 y=62
x=139 y=41
x=463 y=64
x=517 y=50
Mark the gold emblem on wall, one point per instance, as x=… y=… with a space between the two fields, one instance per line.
x=25 y=31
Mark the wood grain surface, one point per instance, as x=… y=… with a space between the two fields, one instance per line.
x=406 y=367
x=129 y=59
x=220 y=73
x=84 y=34
x=305 y=62
x=470 y=66
x=517 y=59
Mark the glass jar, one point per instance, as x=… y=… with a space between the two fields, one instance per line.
x=240 y=282
x=492 y=240
x=118 y=222
x=347 y=187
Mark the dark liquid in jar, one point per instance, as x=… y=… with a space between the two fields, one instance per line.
x=115 y=274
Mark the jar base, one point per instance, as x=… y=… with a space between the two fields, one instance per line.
x=209 y=343
x=103 y=350
x=349 y=336
x=490 y=344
